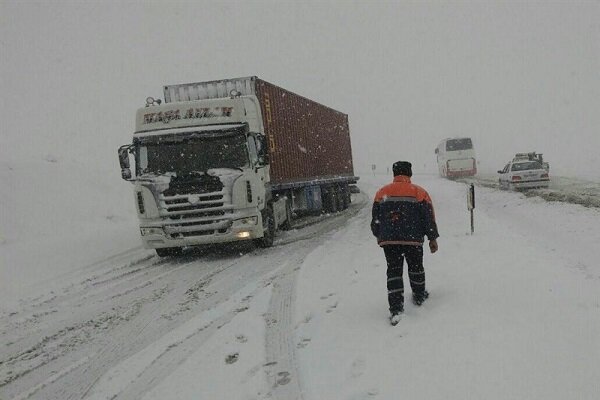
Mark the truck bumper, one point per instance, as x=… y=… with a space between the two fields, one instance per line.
x=248 y=227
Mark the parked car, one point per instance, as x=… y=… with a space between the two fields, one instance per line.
x=523 y=174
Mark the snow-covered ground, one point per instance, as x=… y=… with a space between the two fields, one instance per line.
x=58 y=216
x=514 y=311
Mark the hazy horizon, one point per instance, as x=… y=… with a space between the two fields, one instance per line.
x=513 y=76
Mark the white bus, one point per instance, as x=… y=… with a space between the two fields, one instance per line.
x=456 y=158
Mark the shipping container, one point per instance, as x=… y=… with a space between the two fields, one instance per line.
x=307 y=140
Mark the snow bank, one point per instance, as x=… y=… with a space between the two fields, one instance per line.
x=57 y=216
x=513 y=311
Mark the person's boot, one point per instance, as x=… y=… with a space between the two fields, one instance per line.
x=395 y=316
x=419 y=298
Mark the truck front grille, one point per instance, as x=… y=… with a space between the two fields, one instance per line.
x=188 y=215
x=140 y=202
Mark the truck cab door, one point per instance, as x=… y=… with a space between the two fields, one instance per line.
x=260 y=167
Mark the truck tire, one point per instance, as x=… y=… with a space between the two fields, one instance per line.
x=287 y=225
x=330 y=201
x=339 y=194
x=345 y=197
x=169 y=251
x=268 y=220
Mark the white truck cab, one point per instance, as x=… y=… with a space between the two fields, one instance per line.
x=201 y=173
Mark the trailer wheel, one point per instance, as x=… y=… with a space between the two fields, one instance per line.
x=287 y=225
x=268 y=220
x=345 y=197
x=341 y=202
x=169 y=251
x=330 y=201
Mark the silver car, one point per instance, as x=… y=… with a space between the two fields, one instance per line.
x=523 y=175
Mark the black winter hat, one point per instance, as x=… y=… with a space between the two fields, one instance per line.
x=402 y=168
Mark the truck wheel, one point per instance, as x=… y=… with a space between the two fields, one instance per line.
x=288 y=214
x=339 y=193
x=169 y=251
x=268 y=220
x=325 y=201
x=345 y=197
x=330 y=201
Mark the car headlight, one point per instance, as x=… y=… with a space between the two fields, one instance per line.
x=152 y=231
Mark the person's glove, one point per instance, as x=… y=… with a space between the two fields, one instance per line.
x=433 y=246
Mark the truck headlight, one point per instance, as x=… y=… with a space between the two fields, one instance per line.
x=152 y=231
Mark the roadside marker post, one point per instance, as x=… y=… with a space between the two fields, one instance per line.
x=471 y=205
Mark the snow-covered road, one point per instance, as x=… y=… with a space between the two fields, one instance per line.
x=132 y=318
x=514 y=313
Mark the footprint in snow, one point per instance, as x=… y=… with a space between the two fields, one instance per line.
x=303 y=343
x=370 y=394
x=326 y=296
x=358 y=367
x=332 y=307
x=251 y=373
x=232 y=358
x=283 y=378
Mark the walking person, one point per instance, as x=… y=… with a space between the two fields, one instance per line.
x=402 y=216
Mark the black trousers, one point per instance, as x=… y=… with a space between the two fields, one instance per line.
x=394 y=255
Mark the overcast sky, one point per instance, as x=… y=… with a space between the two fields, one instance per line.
x=514 y=76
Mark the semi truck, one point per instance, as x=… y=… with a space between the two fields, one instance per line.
x=234 y=160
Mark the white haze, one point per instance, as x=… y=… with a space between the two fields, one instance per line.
x=514 y=76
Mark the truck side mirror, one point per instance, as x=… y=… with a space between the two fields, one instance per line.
x=124 y=161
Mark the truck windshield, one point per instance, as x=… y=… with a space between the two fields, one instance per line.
x=193 y=155
x=459 y=144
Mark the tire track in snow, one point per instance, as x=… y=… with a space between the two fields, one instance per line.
x=284 y=374
x=120 y=320
x=117 y=312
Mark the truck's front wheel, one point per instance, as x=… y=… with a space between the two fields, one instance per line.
x=169 y=251
x=268 y=220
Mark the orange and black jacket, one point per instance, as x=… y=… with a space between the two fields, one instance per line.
x=403 y=214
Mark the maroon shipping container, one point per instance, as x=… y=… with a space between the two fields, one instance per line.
x=307 y=140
